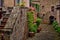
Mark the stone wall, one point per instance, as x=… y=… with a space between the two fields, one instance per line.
x=47 y=5
x=8 y=3
x=12 y=3
x=45 y=8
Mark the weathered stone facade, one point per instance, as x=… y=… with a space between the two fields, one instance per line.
x=12 y=3
x=8 y=3
x=46 y=8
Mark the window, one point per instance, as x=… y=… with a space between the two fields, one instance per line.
x=37 y=6
x=52 y=8
x=17 y=1
x=1 y=2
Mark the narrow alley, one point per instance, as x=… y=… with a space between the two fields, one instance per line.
x=29 y=19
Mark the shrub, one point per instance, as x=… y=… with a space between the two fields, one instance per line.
x=56 y=26
x=38 y=21
x=30 y=18
x=58 y=29
x=55 y=23
x=33 y=28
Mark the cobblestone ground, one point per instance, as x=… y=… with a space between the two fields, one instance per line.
x=47 y=33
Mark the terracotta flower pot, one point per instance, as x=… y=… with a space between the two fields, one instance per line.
x=38 y=30
x=31 y=34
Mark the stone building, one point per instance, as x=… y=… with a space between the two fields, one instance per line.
x=8 y=3
x=12 y=3
x=18 y=2
x=48 y=7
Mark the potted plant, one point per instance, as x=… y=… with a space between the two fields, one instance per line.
x=31 y=34
x=30 y=23
x=39 y=29
x=32 y=30
x=38 y=23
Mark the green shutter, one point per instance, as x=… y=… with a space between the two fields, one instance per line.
x=37 y=7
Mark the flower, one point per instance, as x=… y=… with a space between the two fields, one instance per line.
x=22 y=4
x=32 y=8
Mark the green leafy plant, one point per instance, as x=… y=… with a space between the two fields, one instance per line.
x=38 y=21
x=55 y=23
x=56 y=26
x=58 y=29
x=30 y=18
x=32 y=27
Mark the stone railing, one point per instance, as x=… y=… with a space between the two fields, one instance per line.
x=19 y=25
x=16 y=26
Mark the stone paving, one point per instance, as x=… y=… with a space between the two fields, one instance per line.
x=47 y=33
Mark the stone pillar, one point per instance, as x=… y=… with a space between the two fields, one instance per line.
x=23 y=22
x=58 y=12
x=57 y=16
